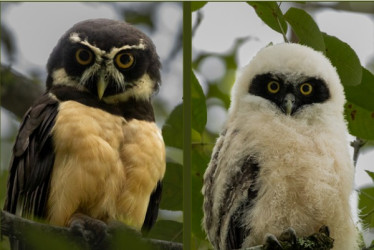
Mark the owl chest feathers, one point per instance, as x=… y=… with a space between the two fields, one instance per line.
x=105 y=166
x=304 y=174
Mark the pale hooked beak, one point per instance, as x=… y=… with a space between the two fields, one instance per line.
x=288 y=104
x=101 y=85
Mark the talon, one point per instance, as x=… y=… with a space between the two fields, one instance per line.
x=272 y=243
x=289 y=235
x=325 y=230
x=92 y=230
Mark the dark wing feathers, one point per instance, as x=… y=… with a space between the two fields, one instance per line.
x=32 y=157
x=236 y=233
x=245 y=181
x=152 y=210
x=240 y=187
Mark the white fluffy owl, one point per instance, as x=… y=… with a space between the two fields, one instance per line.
x=282 y=159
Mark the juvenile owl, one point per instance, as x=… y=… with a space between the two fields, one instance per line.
x=282 y=159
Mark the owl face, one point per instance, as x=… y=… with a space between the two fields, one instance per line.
x=288 y=79
x=110 y=59
x=289 y=93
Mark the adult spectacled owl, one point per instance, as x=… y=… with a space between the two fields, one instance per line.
x=282 y=159
x=90 y=144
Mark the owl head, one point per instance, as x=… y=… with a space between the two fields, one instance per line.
x=288 y=80
x=110 y=59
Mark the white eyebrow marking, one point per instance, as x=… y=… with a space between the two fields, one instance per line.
x=74 y=37
x=114 y=51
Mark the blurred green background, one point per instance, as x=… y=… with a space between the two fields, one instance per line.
x=225 y=36
x=29 y=31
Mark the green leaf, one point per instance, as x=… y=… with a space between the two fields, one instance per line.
x=172 y=131
x=198 y=105
x=371 y=174
x=196 y=5
x=172 y=188
x=366 y=206
x=359 y=110
x=270 y=13
x=166 y=230
x=305 y=28
x=363 y=93
x=360 y=121
x=344 y=59
x=200 y=160
x=216 y=92
x=129 y=238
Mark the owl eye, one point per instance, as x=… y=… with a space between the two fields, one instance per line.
x=83 y=56
x=124 y=60
x=273 y=87
x=306 y=88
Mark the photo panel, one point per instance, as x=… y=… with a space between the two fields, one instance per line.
x=240 y=192
x=113 y=133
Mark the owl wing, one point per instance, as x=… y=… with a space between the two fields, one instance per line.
x=238 y=228
x=152 y=210
x=32 y=161
x=229 y=189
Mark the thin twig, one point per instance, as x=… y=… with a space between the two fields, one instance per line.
x=280 y=25
x=357 y=145
x=199 y=18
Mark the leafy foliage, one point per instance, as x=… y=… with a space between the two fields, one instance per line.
x=173 y=128
x=305 y=28
x=343 y=57
x=171 y=194
x=271 y=14
x=196 y=5
x=199 y=115
x=166 y=230
x=365 y=204
x=358 y=84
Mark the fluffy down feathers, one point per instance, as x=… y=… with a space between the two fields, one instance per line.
x=300 y=173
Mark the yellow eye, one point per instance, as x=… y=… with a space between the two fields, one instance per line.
x=306 y=88
x=273 y=87
x=124 y=60
x=83 y=56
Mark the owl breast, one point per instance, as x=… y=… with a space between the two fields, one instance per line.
x=120 y=163
x=304 y=181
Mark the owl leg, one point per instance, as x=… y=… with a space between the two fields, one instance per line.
x=322 y=239
x=272 y=243
x=93 y=231
x=289 y=236
x=287 y=240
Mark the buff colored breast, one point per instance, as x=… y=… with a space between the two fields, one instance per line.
x=105 y=167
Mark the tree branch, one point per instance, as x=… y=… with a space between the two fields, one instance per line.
x=18 y=92
x=357 y=144
x=17 y=228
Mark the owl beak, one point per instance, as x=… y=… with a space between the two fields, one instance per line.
x=288 y=104
x=101 y=86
